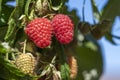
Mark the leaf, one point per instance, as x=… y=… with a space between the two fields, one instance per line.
x=0 y=6
x=3 y=31
x=56 y=5
x=65 y=71
x=96 y=12
x=4 y=14
x=111 y=10
x=10 y=72
x=2 y=49
x=27 y=6
x=109 y=37
x=14 y=22
x=7 y=68
x=88 y=60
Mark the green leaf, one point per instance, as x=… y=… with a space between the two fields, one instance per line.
x=65 y=71
x=9 y=72
x=56 y=5
x=14 y=22
x=96 y=12
x=111 y=10
x=109 y=37
x=27 y=6
x=0 y=6
x=4 y=14
x=3 y=31
x=2 y=49
x=88 y=61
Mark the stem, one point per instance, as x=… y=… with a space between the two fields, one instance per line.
x=53 y=60
x=6 y=57
x=83 y=11
x=13 y=56
x=63 y=58
x=24 y=46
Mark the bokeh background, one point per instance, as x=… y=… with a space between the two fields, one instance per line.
x=111 y=53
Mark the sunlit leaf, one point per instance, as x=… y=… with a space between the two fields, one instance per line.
x=96 y=12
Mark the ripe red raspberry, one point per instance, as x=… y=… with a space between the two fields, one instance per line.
x=63 y=28
x=39 y=31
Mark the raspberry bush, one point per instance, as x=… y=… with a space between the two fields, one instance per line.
x=43 y=40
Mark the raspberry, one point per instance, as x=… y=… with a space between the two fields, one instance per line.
x=39 y=31
x=73 y=66
x=26 y=63
x=63 y=28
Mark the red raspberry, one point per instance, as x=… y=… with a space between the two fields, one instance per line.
x=39 y=31
x=63 y=28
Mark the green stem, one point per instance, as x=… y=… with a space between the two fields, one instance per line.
x=6 y=57
x=13 y=56
x=62 y=54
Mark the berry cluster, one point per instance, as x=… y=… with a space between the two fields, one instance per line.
x=40 y=30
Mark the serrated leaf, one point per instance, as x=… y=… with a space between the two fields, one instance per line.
x=65 y=71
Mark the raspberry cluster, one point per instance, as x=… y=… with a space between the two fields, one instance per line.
x=40 y=30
